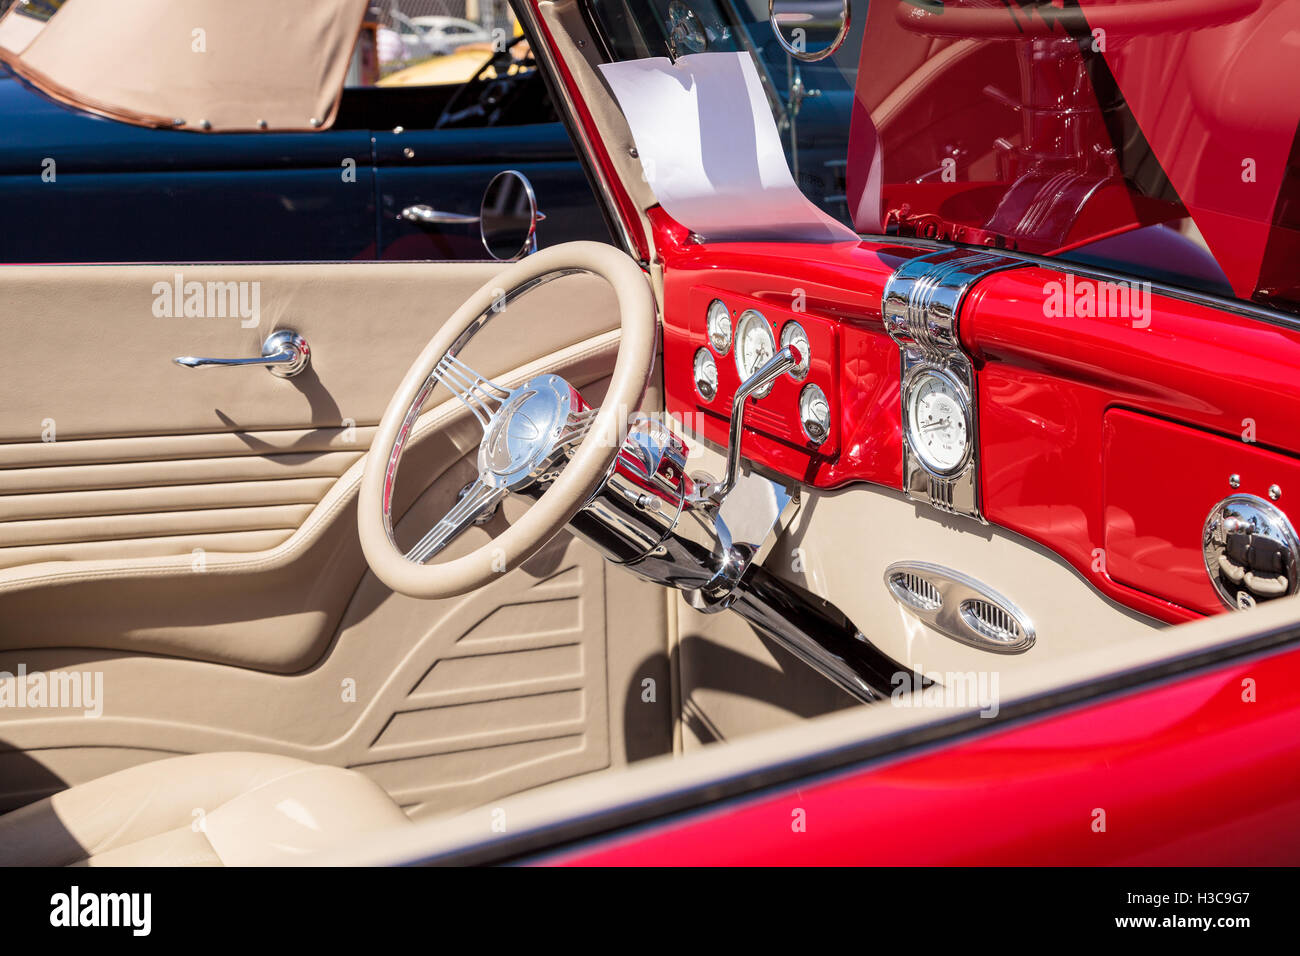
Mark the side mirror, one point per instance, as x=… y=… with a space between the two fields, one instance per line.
x=508 y=217
x=809 y=30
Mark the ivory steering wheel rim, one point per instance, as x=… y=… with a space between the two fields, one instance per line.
x=589 y=460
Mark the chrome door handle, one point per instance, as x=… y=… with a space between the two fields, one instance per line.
x=429 y=215
x=285 y=354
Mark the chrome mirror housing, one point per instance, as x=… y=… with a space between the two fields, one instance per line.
x=508 y=216
x=809 y=30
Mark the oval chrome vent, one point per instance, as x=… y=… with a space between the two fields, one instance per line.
x=991 y=621
x=959 y=607
x=914 y=590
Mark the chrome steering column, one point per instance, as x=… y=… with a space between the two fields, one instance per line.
x=708 y=537
x=690 y=532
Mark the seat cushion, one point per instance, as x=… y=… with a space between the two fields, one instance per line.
x=232 y=809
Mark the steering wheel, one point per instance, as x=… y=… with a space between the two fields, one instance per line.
x=483 y=100
x=539 y=436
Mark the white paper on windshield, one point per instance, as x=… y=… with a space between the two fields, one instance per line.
x=710 y=149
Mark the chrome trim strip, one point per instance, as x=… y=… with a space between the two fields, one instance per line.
x=1248 y=310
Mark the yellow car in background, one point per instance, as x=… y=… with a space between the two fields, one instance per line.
x=456 y=67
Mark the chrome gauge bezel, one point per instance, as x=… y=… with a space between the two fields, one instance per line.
x=788 y=332
x=745 y=318
x=809 y=390
x=911 y=385
x=701 y=356
x=719 y=308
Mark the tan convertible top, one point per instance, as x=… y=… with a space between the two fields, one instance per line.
x=207 y=65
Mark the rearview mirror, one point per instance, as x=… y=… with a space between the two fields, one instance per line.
x=809 y=30
x=508 y=217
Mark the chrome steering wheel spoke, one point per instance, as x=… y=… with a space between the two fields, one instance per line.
x=575 y=429
x=475 y=501
x=482 y=396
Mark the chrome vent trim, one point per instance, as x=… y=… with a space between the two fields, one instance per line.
x=914 y=591
x=960 y=607
x=991 y=621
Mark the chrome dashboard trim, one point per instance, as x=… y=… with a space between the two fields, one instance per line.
x=1247 y=310
x=921 y=305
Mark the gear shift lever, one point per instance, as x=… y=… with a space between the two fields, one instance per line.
x=782 y=362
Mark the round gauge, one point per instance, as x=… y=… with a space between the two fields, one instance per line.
x=719 y=327
x=793 y=334
x=706 y=375
x=938 y=420
x=814 y=414
x=755 y=345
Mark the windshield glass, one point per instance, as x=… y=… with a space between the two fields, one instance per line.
x=1151 y=137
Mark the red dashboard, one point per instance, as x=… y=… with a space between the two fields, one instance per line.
x=1105 y=439
x=834 y=293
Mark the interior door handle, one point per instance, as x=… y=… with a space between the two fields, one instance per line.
x=429 y=215
x=285 y=354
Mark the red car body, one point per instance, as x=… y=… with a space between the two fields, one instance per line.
x=1196 y=771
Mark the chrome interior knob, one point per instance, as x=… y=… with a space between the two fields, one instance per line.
x=1251 y=551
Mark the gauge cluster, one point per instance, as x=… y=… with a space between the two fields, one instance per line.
x=735 y=335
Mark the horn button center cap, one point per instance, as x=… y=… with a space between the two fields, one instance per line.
x=523 y=433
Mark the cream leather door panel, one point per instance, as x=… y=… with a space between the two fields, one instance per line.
x=156 y=494
x=190 y=537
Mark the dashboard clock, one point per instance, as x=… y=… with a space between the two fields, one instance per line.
x=938 y=420
x=755 y=345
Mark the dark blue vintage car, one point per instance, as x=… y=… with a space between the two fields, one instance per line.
x=399 y=174
x=76 y=187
